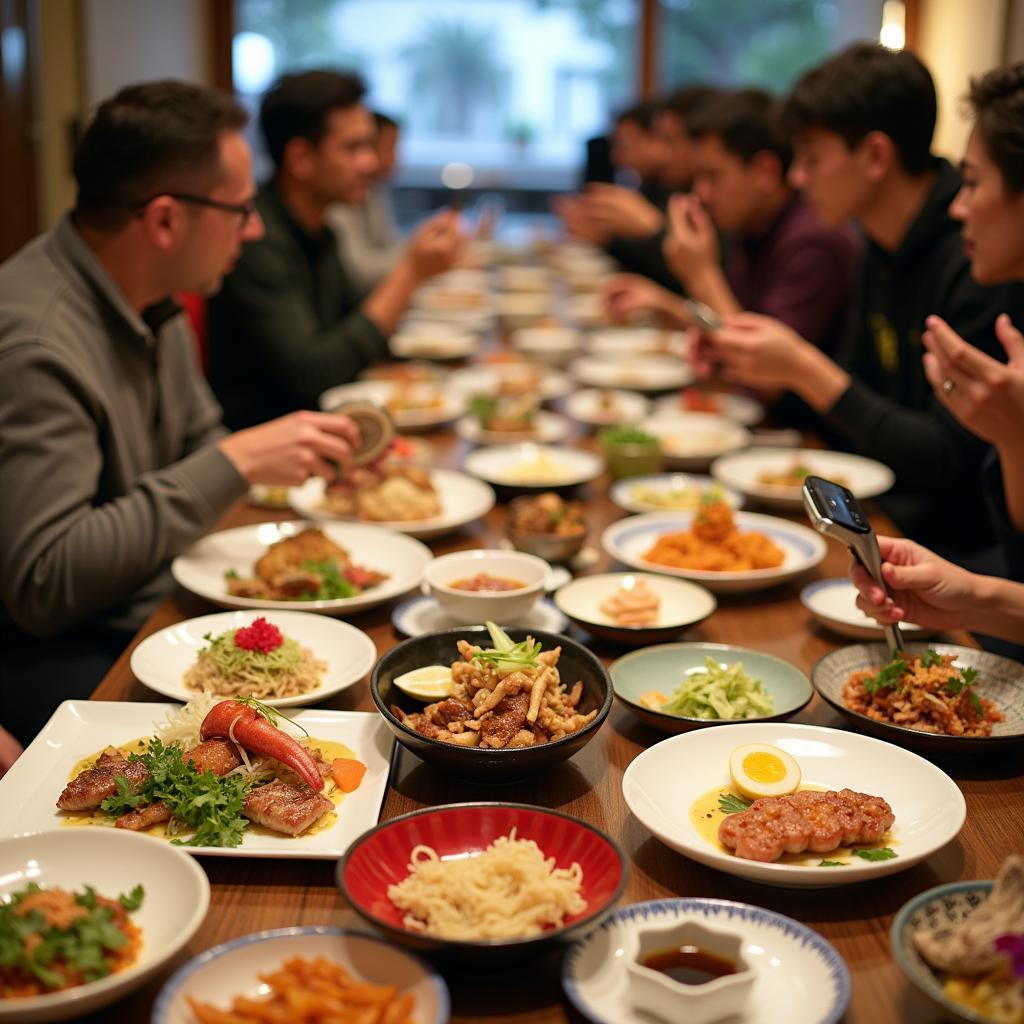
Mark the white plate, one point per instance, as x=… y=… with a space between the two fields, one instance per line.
x=202 y=567
x=380 y=392
x=177 y=896
x=834 y=604
x=682 y=603
x=234 y=969
x=163 y=658
x=80 y=728
x=628 y=540
x=691 y=440
x=636 y=373
x=662 y=783
x=486 y=380
x=463 y=500
x=587 y=406
x=794 y=965
x=738 y=408
x=865 y=477
x=623 y=494
x=549 y=428
x=636 y=341
x=548 y=344
x=421 y=615
x=432 y=340
x=493 y=464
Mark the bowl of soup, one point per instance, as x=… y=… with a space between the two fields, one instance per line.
x=480 y=585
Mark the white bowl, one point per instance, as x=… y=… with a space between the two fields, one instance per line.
x=548 y=428
x=522 y=309
x=472 y=608
x=112 y=861
x=691 y=440
x=834 y=604
x=550 y=344
x=643 y=372
x=634 y=341
x=525 y=279
x=234 y=969
x=603 y=407
x=433 y=340
x=533 y=466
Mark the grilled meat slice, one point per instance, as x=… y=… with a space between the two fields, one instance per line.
x=507 y=718
x=87 y=790
x=808 y=820
x=217 y=756
x=285 y=808
x=144 y=817
x=288 y=555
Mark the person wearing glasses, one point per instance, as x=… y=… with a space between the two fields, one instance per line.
x=289 y=323
x=112 y=454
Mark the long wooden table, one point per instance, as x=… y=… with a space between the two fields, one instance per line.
x=252 y=895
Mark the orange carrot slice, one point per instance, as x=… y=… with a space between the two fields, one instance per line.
x=347 y=773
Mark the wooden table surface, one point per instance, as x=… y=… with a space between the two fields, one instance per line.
x=252 y=895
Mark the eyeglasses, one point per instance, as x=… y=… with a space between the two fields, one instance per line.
x=244 y=210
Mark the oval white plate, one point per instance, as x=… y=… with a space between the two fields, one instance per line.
x=662 y=783
x=421 y=615
x=549 y=428
x=379 y=392
x=112 y=861
x=233 y=969
x=493 y=464
x=587 y=406
x=463 y=500
x=865 y=477
x=622 y=491
x=627 y=342
x=162 y=659
x=682 y=603
x=691 y=440
x=738 y=408
x=794 y=965
x=433 y=341
x=202 y=567
x=629 y=538
x=485 y=380
x=636 y=373
x=834 y=604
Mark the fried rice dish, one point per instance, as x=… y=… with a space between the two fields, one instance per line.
x=714 y=544
x=502 y=699
x=928 y=693
x=389 y=492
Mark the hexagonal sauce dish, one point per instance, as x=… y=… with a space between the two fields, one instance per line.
x=696 y=1001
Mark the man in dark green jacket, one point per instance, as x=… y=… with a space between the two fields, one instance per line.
x=288 y=324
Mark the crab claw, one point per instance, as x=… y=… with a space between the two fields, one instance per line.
x=247 y=727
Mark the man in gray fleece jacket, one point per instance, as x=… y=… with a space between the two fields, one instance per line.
x=112 y=455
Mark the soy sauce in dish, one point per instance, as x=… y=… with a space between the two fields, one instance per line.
x=689 y=965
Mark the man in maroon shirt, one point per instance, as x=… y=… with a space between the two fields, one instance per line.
x=781 y=261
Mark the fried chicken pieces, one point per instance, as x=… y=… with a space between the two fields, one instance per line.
x=808 y=820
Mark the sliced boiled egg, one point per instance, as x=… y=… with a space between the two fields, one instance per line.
x=431 y=682
x=758 y=769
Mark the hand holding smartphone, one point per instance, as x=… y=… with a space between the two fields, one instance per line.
x=835 y=512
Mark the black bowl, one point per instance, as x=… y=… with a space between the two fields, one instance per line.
x=476 y=764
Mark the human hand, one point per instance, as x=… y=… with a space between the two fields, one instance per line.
x=286 y=452
x=985 y=395
x=622 y=212
x=10 y=751
x=923 y=588
x=751 y=350
x=625 y=295
x=691 y=244
x=436 y=245
x=578 y=220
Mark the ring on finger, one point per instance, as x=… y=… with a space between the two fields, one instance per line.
x=948 y=386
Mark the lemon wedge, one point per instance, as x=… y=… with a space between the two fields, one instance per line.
x=432 y=682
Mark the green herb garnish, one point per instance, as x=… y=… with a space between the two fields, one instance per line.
x=930 y=658
x=272 y=715
x=208 y=805
x=884 y=853
x=729 y=803
x=889 y=677
x=333 y=583
x=507 y=656
x=831 y=863
x=626 y=435
x=133 y=900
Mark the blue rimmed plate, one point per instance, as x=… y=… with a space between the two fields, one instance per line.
x=629 y=539
x=233 y=969
x=794 y=965
x=943 y=906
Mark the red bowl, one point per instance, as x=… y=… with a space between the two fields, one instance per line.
x=380 y=858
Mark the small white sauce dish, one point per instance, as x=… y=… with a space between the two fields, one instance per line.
x=469 y=607
x=671 y=1000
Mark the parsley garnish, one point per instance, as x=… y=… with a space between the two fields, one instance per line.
x=888 y=677
x=333 y=583
x=210 y=806
x=133 y=900
x=272 y=715
x=930 y=658
x=884 y=853
x=956 y=686
x=729 y=803
x=831 y=863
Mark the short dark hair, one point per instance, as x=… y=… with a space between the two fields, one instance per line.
x=868 y=88
x=687 y=101
x=148 y=138
x=997 y=101
x=382 y=120
x=640 y=113
x=297 y=106
x=748 y=121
